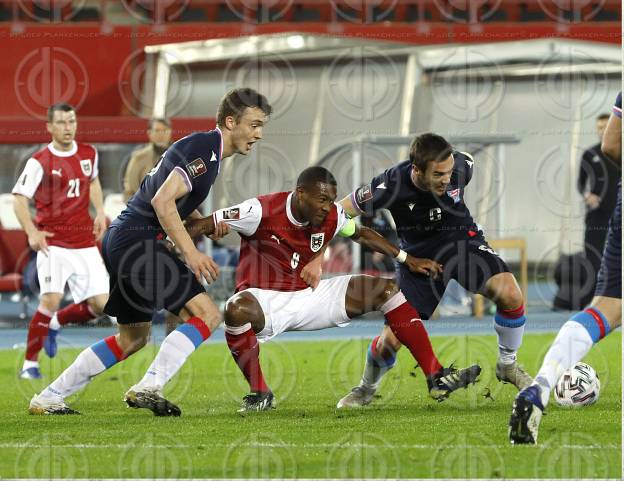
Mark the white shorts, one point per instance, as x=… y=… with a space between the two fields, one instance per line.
x=83 y=269
x=306 y=310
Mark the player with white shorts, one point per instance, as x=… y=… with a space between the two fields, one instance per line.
x=299 y=310
x=61 y=179
x=282 y=237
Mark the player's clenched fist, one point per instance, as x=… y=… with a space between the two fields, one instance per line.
x=202 y=266
x=312 y=272
x=99 y=226
x=37 y=240
x=427 y=267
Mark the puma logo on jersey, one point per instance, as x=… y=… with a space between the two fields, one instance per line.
x=381 y=186
x=57 y=172
x=213 y=158
x=276 y=238
x=411 y=205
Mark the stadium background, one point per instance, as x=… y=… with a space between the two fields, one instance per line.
x=533 y=73
x=519 y=83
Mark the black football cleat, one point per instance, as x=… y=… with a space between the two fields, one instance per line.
x=449 y=379
x=153 y=401
x=257 y=401
x=526 y=416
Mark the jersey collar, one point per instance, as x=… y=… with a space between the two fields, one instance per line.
x=220 y=143
x=62 y=153
x=290 y=215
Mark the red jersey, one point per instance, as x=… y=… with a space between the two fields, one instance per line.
x=274 y=245
x=59 y=182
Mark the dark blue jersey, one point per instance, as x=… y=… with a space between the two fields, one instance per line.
x=197 y=159
x=422 y=219
x=617 y=107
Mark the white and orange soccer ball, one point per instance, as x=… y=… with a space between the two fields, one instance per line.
x=579 y=386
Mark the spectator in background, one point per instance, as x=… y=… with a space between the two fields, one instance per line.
x=144 y=159
x=597 y=183
x=337 y=258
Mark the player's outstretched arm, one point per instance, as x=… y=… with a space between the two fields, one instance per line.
x=348 y=207
x=201 y=226
x=197 y=225
x=164 y=204
x=376 y=242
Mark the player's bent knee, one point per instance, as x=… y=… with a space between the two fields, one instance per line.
x=50 y=302
x=243 y=308
x=512 y=297
x=97 y=304
x=388 y=289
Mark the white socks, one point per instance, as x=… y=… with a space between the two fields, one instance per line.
x=376 y=366
x=86 y=366
x=174 y=351
x=571 y=345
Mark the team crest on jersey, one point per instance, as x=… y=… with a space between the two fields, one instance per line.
x=85 y=165
x=197 y=167
x=455 y=194
x=316 y=241
x=231 y=214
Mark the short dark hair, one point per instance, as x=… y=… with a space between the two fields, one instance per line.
x=428 y=148
x=160 y=120
x=236 y=101
x=59 y=107
x=312 y=175
x=603 y=116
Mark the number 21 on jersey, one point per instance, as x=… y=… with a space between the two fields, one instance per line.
x=74 y=188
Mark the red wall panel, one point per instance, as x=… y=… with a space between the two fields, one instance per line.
x=98 y=68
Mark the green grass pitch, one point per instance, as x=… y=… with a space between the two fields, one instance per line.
x=403 y=434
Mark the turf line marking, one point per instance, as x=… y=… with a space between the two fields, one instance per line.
x=304 y=445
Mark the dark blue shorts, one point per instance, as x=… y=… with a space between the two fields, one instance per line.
x=610 y=275
x=471 y=262
x=144 y=277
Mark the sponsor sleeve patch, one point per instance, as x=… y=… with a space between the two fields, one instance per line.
x=231 y=214
x=196 y=168
x=363 y=194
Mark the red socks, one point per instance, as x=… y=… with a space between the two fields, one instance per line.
x=37 y=331
x=246 y=352
x=75 y=313
x=407 y=326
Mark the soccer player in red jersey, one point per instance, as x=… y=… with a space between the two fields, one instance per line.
x=62 y=178
x=280 y=234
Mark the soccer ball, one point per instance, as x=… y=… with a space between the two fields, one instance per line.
x=579 y=386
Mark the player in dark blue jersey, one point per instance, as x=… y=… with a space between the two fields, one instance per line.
x=145 y=276
x=425 y=196
x=577 y=336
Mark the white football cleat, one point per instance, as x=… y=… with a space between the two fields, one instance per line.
x=40 y=406
x=358 y=397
